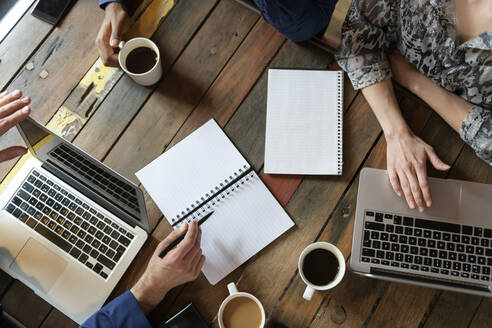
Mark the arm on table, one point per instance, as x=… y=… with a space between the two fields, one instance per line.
x=472 y=122
x=362 y=55
x=181 y=265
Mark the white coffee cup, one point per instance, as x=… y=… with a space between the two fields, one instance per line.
x=310 y=288
x=234 y=293
x=148 y=78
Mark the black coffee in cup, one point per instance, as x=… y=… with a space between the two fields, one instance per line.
x=320 y=267
x=141 y=60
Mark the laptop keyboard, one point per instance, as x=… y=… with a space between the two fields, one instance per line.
x=117 y=188
x=419 y=245
x=71 y=224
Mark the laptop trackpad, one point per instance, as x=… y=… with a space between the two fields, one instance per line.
x=38 y=265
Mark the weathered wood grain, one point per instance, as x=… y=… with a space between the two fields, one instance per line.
x=122 y=104
x=453 y=310
x=19 y=44
x=180 y=91
x=21 y=303
x=483 y=316
x=65 y=55
x=57 y=319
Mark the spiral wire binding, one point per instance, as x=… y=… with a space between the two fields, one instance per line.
x=228 y=186
x=340 y=122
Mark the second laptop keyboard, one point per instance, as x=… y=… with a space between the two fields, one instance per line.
x=436 y=247
x=71 y=224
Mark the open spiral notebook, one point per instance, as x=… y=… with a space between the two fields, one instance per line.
x=203 y=173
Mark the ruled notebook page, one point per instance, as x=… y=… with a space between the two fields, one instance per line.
x=189 y=170
x=303 y=122
x=243 y=223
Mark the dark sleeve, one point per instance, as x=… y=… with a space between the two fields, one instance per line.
x=103 y=3
x=122 y=312
x=362 y=52
x=476 y=131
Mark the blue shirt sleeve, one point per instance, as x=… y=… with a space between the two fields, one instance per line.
x=122 y=312
x=103 y=3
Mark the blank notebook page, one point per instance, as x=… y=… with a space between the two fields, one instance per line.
x=304 y=122
x=191 y=169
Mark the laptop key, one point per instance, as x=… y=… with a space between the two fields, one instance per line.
x=106 y=262
x=55 y=239
x=75 y=252
x=369 y=225
x=123 y=240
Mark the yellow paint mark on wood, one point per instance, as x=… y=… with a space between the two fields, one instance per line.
x=67 y=123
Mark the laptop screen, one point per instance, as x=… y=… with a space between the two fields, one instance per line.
x=52 y=149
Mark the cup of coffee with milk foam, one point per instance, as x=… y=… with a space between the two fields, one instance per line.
x=141 y=60
x=321 y=267
x=241 y=310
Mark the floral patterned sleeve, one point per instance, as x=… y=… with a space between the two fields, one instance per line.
x=476 y=131
x=365 y=38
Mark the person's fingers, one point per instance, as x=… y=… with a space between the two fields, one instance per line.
x=395 y=183
x=405 y=186
x=9 y=97
x=199 y=266
x=11 y=152
x=10 y=121
x=189 y=240
x=3 y=93
x=119 y=25
x=106 y=52
x=424 y=184
x=415 y=188
x=435 y=160
x=170 y=238
x=193 y=257
x=196 y=247
x=13 y=106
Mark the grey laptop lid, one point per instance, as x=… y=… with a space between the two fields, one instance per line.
x=95 y=180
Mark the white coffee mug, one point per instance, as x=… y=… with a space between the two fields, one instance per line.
x=150 y=77
x=310 y=288
x=233 y=293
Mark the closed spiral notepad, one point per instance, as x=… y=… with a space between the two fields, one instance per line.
x=204 y=173
x=304 y=124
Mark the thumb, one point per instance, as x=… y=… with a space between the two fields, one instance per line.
x=116 y=33
x=436 y=161
x=170 y=238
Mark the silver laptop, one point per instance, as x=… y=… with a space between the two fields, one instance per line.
x=449 y=246
x=69 y=225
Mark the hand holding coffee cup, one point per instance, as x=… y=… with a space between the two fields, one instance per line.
x=241 y=310
x=141 y=60
x=321 y=267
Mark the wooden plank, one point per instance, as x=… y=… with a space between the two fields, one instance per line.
x=5 y=281
x=65 y=55
x=483 y=316
x=57 y=319
x=453 y=310
x=19 y=299
x=235 y=80
x=19 y=44
x=180 y=91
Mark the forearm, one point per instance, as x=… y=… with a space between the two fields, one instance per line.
x=452 y=108
x=381 y=97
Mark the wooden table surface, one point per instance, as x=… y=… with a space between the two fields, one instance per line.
x=216 y=54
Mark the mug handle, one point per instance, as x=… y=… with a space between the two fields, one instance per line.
x=121 y=44
x=232 y=288
x=308 y=293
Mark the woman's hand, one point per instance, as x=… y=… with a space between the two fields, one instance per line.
x=179 y=266
x=13 y=109
x=407 y=157
x=116 y=23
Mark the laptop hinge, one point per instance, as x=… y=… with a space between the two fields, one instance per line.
x=73 y=182
x=430 y=280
